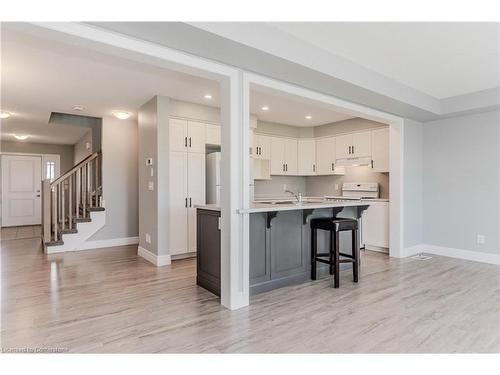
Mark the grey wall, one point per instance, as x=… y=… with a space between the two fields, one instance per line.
x=119 y=174
x=325 y=185
x=413 y=175
x=461 y=182
x=346 y=126
x=153 y=143
x=80 y=149
x=64 y=151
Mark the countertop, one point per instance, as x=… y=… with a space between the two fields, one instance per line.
x=311 y=203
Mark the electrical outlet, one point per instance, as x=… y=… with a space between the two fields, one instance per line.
x=152 y=173
x=481 y=239
x=148 y=238
x=151 y=185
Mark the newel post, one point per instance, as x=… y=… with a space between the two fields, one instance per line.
x=46 y=222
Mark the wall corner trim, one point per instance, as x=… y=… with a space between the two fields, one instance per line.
x=157 y=260
x=475 y=256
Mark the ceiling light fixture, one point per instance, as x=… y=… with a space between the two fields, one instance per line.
x=308 y=117
x=207 y=96
x=265 y=108
x=78 y=107
x=4 y=114
x=122 y=115
x=21 y=137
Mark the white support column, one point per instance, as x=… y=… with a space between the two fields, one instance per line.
x=234 y=192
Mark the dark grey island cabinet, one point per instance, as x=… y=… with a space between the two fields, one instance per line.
x=279 y=254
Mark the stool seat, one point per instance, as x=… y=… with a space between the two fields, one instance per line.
x=338 y=224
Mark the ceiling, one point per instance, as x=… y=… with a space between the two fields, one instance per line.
x=291 y=110
x=40 y=76
x=440 y=59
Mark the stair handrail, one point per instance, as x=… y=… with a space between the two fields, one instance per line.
x=75 y=168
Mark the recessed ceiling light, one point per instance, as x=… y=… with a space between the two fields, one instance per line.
x=122 y=115
x=21 y=137
x=308 y=117
x=265 y=108
x=4 y=114
x=207 y=96
x=78 y=107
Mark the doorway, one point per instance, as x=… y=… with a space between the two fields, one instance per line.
x=21 y=186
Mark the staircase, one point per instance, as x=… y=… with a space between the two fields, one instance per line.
x=72 y=208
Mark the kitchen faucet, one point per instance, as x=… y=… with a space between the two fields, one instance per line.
x=297 y=195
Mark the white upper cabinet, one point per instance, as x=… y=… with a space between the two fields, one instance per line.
x=212 y=135
x=262 y=146
x=343 y=147
x=362 y=144
x=277 y=156
x=356 y=145
x=187 y=136
x=178 y=135
x=306 y=157
x=380 y=150
x=196 y=137
x=290 y=158
x=325 y=156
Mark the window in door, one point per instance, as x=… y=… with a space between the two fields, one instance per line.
x=50 y=168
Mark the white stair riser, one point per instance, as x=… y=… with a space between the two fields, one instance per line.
x=75 y=241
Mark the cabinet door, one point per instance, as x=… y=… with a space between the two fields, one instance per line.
x=178 y=220
x=343 y=145
x=362 y=144
x=375 y=225
x=195 y=192
x=212 y=135
x=260 y=256
x=277 y=156
x=196 y=137
x=262 y=145
x=306 y=159
x=287 y=257
x=380 y=150
x=325 y=156
x=290 y=157
x=208 y=250
x=178 y=135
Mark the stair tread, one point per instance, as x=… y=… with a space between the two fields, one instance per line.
x=95 y=209
x=54 y=243
x=82 y=220
x=68 y=231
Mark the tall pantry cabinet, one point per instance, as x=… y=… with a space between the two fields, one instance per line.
x=186 y=182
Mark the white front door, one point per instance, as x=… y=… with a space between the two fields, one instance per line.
x=21 y=190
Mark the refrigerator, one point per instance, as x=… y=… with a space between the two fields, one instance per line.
x=213 y=187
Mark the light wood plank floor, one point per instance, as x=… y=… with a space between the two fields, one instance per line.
x=109 y=300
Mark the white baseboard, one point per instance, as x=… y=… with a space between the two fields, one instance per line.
x=183 y=256
x=475 y=256
x=157 y=260
x=99 y=244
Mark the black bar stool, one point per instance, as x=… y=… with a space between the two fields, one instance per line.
x=334 y=226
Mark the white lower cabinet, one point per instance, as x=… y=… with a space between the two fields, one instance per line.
x=375 y=226
x=187 y=188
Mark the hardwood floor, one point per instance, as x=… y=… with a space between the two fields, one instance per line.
x=109 y=300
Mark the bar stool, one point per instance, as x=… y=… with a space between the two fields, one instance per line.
x=334 y=226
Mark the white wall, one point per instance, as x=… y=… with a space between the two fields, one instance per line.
x=119 y=174
x=461 y=183
x=81 y=151
x=413 y=175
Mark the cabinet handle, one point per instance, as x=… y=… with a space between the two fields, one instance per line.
x=286 y=167
x=185 y=141
x=258 y=151
x=189 y=141
x=190 y=202
x=349 y=150
x=283 y=167
x=314 y=167
x=372 y=163
x=353 y=149
x=186 y=202
x=333 y=167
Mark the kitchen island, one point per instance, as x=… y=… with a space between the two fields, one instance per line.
x=280 y=250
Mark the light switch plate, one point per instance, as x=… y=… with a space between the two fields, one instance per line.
x=148 y=238
x=151 y=185
x=481 y=239
x=152 y=172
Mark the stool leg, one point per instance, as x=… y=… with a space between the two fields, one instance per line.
x=355 y=254
x=313 y=253
x=332 y=252
x=336 y=260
